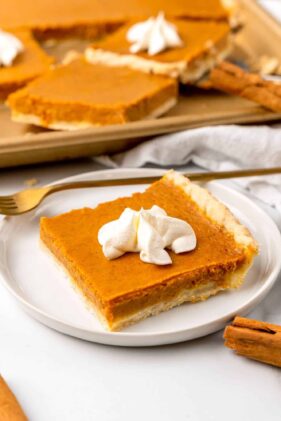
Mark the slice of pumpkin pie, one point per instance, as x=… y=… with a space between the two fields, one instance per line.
x=30 y=62
x=179 y=48
x=137 y=256
x=93 y=18
x=81 y=95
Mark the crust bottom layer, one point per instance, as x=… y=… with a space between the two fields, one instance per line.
x=76 y=125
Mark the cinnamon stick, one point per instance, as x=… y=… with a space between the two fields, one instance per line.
x=233 y=80
x=10 y=409
x=257 y=340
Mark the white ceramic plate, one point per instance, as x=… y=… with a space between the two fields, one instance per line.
x=46 y=294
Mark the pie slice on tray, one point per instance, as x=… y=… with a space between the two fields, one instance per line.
x=93 y=18
x=204 y=43
x=80 y=95
x=29 y=64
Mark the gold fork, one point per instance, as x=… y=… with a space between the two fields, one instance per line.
x=29 y=199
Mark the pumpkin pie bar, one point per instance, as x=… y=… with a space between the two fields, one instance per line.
x=93 y=18
x=126 y=290
x=29 y=64
x=80 y=95
x=203 y=45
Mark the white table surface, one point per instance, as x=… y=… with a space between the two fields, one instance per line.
x=56 y=377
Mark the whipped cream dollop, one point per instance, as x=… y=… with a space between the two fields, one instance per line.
x=10 y=48
x=148 y=232
x=154 y=35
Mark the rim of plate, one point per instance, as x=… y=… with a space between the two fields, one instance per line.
x=65 y=328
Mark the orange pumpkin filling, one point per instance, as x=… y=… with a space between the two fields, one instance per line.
x=126 y=289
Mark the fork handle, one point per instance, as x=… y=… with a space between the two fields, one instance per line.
x=223 y=175
x=201 y=176
x=101 y=183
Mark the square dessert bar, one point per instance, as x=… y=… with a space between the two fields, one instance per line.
x=79 y=95
x=204 y=43
x=126 y=290
x=30 y=63
x=93 y=18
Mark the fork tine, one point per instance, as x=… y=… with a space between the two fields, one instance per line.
x=11 y=205
x=6 y=199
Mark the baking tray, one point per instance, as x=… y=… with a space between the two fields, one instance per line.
x=261 y=35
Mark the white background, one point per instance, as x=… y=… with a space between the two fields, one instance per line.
x=56 y=377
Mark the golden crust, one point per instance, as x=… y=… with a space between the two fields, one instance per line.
x=215 y=210
x=186 y=73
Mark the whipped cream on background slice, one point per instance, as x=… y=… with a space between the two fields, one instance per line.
x=154 y=35
x=148 y=232
x=10 y=48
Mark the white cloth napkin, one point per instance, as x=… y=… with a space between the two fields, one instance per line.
x=214 y=148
